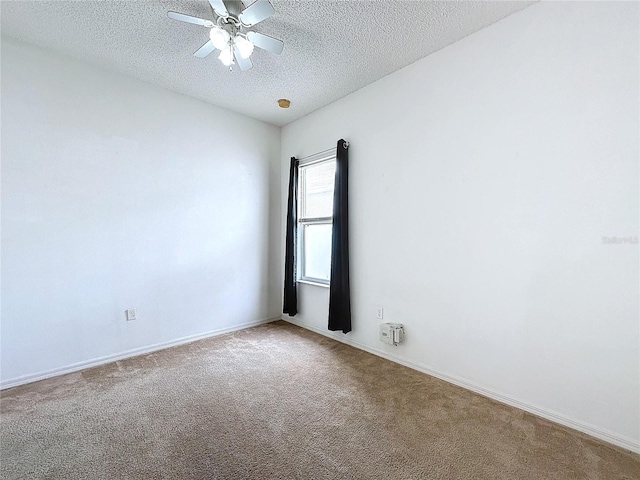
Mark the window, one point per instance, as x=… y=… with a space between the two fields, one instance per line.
x=315 y=189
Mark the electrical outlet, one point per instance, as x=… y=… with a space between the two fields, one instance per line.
x=131 y=314
x=380 y=313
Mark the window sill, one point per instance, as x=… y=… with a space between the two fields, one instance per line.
x=309 y=282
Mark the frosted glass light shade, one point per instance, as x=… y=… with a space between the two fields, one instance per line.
x=245 y=47
x=219 y=37
x=226 y=56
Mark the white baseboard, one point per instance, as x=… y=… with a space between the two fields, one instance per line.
x=95 y=362
x=597 y=432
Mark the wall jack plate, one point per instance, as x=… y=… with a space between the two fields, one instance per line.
x=131 y=314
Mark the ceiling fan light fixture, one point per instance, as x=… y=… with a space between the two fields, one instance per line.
x=245 y=47
x=219 y=37
x=226 y=57
x=230 y=35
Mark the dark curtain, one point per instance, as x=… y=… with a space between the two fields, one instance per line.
x=339 y=295
x=290 y=288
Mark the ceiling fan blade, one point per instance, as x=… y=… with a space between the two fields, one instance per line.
x=244 y=63
x=256 y=12
x=266 y=42
x=219 y=7
x=189 y=19
x=204 y=50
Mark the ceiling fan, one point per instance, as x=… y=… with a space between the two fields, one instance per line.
x=228 y=35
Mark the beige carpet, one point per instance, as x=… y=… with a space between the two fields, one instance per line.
x=279 y=402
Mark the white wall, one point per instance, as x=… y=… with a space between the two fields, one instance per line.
x=483 y=179
x=119 y=194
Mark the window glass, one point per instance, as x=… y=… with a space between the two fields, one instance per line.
x=317 y=251
x=315 y=187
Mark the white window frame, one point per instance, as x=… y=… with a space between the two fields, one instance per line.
x=301 y=222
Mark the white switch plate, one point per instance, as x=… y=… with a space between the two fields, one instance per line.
x=380 y=313
x=131 y=314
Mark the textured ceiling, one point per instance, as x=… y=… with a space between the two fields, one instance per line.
x=332 y=48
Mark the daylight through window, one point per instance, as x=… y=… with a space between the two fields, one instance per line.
x=315 y=189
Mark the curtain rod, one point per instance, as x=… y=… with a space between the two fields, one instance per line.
x=322 y=152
